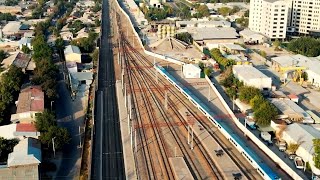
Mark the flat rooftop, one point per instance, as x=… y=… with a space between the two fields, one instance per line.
x=208 y=33
x=248 y=71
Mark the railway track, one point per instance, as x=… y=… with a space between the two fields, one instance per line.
x=177 y=135
x=231 y=152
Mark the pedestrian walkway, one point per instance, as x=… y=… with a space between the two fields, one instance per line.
x=129 y=162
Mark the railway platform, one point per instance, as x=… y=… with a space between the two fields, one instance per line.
x=129 y=163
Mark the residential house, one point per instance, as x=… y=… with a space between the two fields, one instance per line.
x=11 y=28
x=83 y=33
x=19 y=131
x=66 y=35
x=20 y=60
x=80 y=82
x=10 y=9
x=72 y=54
x=30 y=102
x=25 y=42
x=24 y=161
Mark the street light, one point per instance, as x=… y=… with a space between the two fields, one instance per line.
x=53 y=147
x=51 y=104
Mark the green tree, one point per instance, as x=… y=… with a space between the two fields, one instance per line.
x=224 y=11
x=257 y=101
x=246 y=13
x=244 y=22
x=60 y=134
x=59 y=43
x=203 y=11
x=96 y=8
x=316 y=158
x=3 y=55
x=246 y=93
x=25 y=49
x=46 y=124
x=234 y=10
x=41 y=50
x=95 y=56
x=224 y=62
x=97 y=22
x=201 y=65
x=7 y=17
x=45 y=120
x=9 y=85
x=6 y=147
x=265 y=113
x=207 y=71
x=12 y=79
x=76 y=26
x=276 y=45
x=306 y=46
x=185 y=37
x=11 y=2
x=263 y=54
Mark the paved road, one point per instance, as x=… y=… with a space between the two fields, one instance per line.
x=107 y=157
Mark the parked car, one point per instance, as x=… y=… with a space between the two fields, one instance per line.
x=298 y=162
x=282 y=145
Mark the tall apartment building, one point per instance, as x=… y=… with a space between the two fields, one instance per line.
x=276 y=17
x=269 y=17
x=304 y=17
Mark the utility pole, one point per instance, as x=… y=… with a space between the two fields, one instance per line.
x=157 y=77
x=80 y=145
x=209 y=89
x=54 y=148
x=128 y=123
x=135 y=140
x=233 y=103
x=188 y=134
x=166 y=100
x=191 y=139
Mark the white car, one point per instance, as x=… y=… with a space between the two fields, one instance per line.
x=298 y=162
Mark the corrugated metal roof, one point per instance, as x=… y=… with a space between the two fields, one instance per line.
x=72 y=49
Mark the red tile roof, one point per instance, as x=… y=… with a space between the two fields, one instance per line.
x=26 y=127
x=293 y=96
x=30 y=99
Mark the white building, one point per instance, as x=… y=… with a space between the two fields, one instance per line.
x=220 y=23
x=304 y=17
x=25 y=42
x=72 y=54
x=269 y=17
x=303 y=135
x=251 y=76
x=191 y=71
x=251 y=36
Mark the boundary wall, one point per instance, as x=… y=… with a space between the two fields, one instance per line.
x=165 y=58
x=254 y=138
